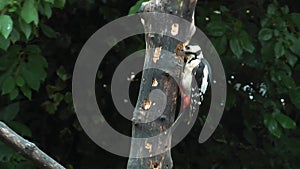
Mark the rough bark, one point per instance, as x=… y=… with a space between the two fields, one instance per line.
x=27 y=149
x=153 y=79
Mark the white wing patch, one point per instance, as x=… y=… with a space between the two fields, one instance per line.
x=204 y=79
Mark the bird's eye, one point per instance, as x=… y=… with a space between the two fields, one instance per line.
x=187 y=48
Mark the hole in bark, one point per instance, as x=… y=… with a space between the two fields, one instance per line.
x=154 y=82
x=157 y=53
x=166 y=74
x=163 y=118
x=148 y=146
x=155 y=165
x=147 y=104
x=135 y=124
x=175 y=29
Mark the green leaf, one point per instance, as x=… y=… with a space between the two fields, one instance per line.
x=296 y=19
x=3 y=4
x=4 y=43
x=295 y=97
x=2 y=67
x=291 y=58
x=50 y=1
x=276 y=33
x=14 y=36
x=135 y=8
x=295 y=47
x=14 y=94
x=62 y=74
x=285 y=9
x=267 y=51
x=50 y=107
x=271 y=9
x=10 y=112
x=68 y=97
x=26 y=91
x=57 y=98
x=6 y=25
x=20 y=128
x=8 y=85
x=36 y=65
x=48 y=31
x=26 y=29
x=264 y=22
x=9 y=58
x=52 y=89
x=20 y=81
x=279 y=50
x=32 y=81
x=272 y=126
x=280 y=76
x=6 y=154
x=29 y=12
x=245 y=42
x=285 y=121
x=47 y=10
x=274 y=76
x=22 y=163
x=216 y=28
x=33 y=49
x=223 y=8
x=220 y=44
x=13 y=9
x=288 y=81
x=284 y=67
x=59 y=3
x=13 y=53
x=4 y=76
x=265 y=34
x=236 y=47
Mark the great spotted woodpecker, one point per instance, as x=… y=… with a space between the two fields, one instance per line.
x=195 y=76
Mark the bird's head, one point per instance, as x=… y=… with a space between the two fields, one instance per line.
x=192 y=52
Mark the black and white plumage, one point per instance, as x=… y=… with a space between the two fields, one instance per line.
x=195 y=76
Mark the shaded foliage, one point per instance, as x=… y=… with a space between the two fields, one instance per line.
x=259 y=45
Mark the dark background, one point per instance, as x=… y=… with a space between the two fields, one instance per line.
x=258 y=42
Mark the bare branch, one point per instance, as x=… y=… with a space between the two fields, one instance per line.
x=27 y=149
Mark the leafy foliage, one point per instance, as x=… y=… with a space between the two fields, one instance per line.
x=258 y=42
x=22 y=64
x=135 y=8
x=258 y=49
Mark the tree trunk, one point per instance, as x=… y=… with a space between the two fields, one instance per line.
x=157 y=101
